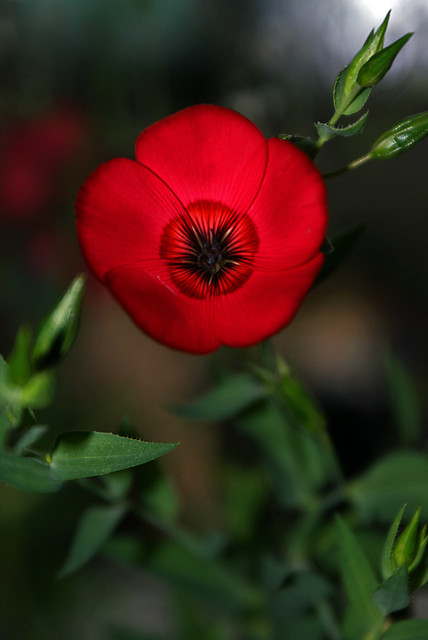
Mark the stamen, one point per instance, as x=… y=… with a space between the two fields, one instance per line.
x=209 y=251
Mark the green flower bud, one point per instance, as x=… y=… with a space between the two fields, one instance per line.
x=378 y=65
x=58 y=332
x=405 y=548
x=372 y=45
x=402 y=137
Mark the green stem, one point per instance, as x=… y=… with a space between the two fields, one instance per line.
x=4 y=428
x=338 y=114
x=349 y=167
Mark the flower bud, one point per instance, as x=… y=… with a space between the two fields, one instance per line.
x=59 y=330
x=378 y=65
x=402 y=137
x=405 y=548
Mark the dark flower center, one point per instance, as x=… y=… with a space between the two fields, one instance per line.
x=210 y=250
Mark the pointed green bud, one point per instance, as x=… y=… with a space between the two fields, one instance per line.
x=402 y=137
x=388 y=564
x=372 y=45
x=19 y=361
x=378 y=65
x=58 y=332
x=406 y=547
x=346 y=84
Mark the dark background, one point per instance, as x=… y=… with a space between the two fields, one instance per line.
x=79 y=80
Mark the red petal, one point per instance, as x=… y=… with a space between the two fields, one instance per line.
x=120 y=212
x=264 y=305
x=290 y=211
x=171 y=318
x=206 y=152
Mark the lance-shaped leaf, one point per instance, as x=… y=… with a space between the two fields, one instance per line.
x=402 y=137
x=231 y=396
x=378 y=65
x=19 y=361
x=393 y=594
x=28 y=438
x=359 y=581
x=82 y=454
x=392 y=481
x=58 y=332
x=407 y=630
x=325 y=131
x=26 y=474
x=94 y=529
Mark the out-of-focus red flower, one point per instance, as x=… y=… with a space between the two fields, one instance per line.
x=212 y=237
x=31 y=154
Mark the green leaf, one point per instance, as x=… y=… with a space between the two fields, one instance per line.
x=29 y=437
x=393 y=594
x=19 y=360
x=326 y=132
x=392 y=481
x=204 y=578
x=299 y=404
x=378 y=65
x=404 y=400
x=402 y=137
x=36 y=392
x=244 y=499
x=128 y=634
x=307 y=145
x=58 y=332
x=95 y=527
x=26 y=474
x=388 y=566
x=343 y=243
x=162 y=500
x=231 y=396
x=292 y=599
x=82 y=454
x=407 y=630
x=292 y=454
x=359 y=581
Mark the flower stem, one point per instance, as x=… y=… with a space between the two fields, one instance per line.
x=349 y=167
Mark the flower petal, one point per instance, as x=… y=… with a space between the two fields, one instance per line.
x=265 y=305
x=260 y=308
x=120 y=212
x=290 y=210
x=163 y=313
x=206 y=152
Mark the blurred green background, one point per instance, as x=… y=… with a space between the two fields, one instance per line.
x=79 y=80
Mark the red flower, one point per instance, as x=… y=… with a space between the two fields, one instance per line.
x=212 y=237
